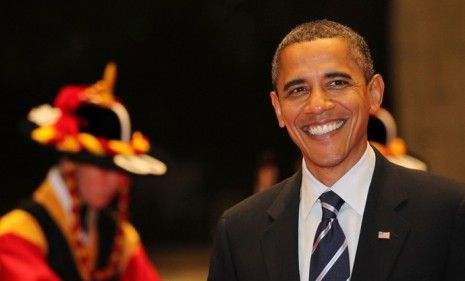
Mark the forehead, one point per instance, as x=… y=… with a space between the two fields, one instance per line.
x=329 y=54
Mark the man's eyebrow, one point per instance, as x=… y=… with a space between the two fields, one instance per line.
x=338 y=74
x=334 y=74
x=292 y=83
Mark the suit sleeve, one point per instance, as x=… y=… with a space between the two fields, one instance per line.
x=456 y=263
x=221 y=264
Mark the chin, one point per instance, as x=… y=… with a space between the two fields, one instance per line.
x=325 y=160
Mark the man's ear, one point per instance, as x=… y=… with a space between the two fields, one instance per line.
x=277 y=108
x=376 y=92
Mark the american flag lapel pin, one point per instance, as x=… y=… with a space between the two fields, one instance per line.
x=384 y=235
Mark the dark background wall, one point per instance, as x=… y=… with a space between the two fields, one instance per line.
x=194 y=76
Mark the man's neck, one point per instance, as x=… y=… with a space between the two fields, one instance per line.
x=329 y=175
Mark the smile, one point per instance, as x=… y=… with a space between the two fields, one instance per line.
x=320 y=130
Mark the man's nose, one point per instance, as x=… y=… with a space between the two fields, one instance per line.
x=318 y=101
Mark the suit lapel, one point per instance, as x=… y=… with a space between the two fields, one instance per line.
x=279 y=240
x=376 y=255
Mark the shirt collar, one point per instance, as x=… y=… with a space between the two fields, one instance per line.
x=59 y=187
x=352 y=187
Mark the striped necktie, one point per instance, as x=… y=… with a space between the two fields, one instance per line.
x=330 y=256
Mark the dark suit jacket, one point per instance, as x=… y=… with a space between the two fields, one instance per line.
x=425 y=214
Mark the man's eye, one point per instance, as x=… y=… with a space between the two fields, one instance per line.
x=338 y=83
x=297 y=91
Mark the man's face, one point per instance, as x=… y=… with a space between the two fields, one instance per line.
x=98 y=186
x=324 y=102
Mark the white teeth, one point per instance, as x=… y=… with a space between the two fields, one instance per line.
x=323 y=129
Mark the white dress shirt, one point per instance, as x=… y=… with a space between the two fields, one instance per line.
x=352 y=188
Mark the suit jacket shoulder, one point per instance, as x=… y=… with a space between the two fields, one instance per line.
x=257 y=238
x=423 y=214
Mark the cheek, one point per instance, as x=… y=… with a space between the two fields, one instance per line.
x=356 y=103
x=360 y=120
x=290 y=112
x=88 y=182
x=118 y=180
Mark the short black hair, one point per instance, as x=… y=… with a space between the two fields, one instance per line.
x=321 y=29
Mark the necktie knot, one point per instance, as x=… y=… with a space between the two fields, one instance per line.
x=330 y=204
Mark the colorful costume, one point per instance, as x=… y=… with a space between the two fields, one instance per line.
x=28 y=253
x=45 y=239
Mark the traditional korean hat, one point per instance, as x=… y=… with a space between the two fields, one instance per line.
x=88 y=124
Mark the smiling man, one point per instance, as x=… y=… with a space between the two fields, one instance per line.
x=348 y=213
x=324 y=101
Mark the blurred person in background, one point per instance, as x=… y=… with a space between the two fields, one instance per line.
x=75 y=225
x=267 y=171
x=382 y=134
